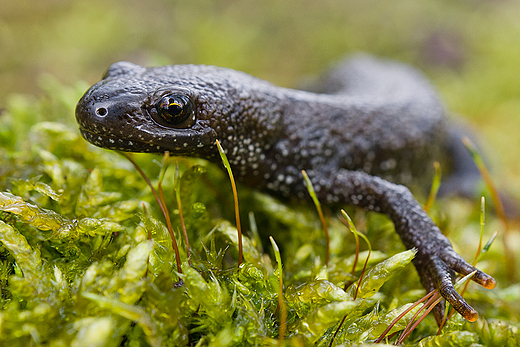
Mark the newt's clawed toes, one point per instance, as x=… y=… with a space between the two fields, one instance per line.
x=440 y=271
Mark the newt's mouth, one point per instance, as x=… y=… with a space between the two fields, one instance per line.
x=119 y=144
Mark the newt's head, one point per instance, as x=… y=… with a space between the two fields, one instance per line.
x=139 y=109
x=181 y=108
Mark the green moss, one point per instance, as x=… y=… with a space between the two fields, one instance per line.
x=86 y=260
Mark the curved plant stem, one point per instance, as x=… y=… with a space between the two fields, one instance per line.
x=433 y=301
x=163 y=209
x=435 y=187
x=499 y=207
x=312 y=192
x=181 y=215
x=235 y=197
x=281 y=303
x=398 y=318
x=350 y=225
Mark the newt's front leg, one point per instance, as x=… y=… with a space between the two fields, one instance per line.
x=436 y=261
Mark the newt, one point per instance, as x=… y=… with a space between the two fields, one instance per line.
x=369 y=130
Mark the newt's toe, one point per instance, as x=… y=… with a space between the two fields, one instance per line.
x=438 y=271
x=443 y=275
x=458 y=264
x=438 y=312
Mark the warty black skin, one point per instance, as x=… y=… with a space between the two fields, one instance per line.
x=373 y=122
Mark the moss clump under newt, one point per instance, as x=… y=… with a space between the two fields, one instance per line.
x=86 y=260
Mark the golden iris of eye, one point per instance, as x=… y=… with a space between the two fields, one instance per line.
x=174 y=109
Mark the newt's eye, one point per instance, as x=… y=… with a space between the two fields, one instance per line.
x=173 y=109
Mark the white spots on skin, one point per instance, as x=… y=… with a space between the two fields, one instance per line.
x=250 y=157
x=405 y=177
x=285 y=189
x=388 y=164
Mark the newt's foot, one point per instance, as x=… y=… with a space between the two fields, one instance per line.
x=438 y=271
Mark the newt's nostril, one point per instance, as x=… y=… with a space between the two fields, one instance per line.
x=101 y=111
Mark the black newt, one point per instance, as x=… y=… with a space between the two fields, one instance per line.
x=372 y=127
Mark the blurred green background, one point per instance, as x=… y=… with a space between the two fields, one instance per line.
x=469 y=48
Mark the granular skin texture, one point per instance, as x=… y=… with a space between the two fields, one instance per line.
x=369 y=129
